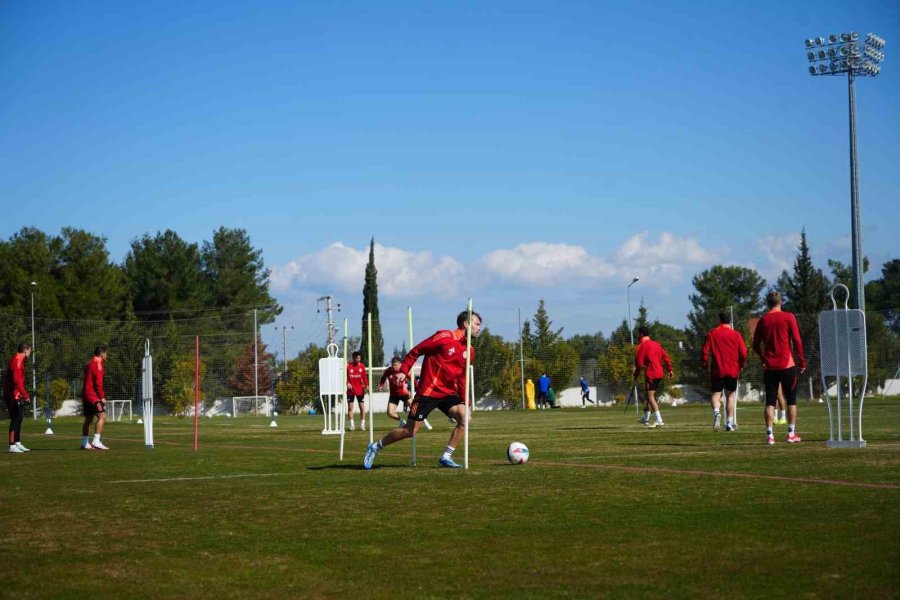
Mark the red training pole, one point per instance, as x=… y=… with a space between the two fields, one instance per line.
x=196 y=393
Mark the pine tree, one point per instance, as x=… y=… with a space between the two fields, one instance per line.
x=370 y=305
x=805 y=294
x=544 y=336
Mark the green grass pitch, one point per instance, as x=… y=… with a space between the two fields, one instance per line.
x=604 y=508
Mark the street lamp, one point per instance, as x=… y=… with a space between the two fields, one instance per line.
x=33 y=369
x=844 y=55
x=631 y=333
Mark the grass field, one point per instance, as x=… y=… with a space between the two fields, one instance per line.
x=604 y=508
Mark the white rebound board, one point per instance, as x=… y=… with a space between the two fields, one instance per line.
x=331 y=376
x=842 y=342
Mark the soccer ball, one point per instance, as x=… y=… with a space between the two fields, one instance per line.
x=517 y=453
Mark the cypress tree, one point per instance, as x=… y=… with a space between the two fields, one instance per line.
x=370 y=305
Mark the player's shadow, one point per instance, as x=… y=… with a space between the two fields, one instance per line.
x=352 y=467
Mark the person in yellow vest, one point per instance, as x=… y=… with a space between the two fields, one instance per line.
x=529 y=394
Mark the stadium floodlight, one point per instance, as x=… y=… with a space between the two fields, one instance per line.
x=846 y=54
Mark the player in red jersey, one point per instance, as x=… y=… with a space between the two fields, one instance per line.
x=398 y=392
x=775 y=340
x=441 y=385
x=357 y=384
x=16 y=396
x=728 y=351
x=93 y=401
x=650 y=356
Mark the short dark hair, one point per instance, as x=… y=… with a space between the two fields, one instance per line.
x=724 y=317
x=23 y=346
x=644 y=330
x=396 y=359
x=355 y=354
x=100 y=349
x=462 y=317
x=773 y=299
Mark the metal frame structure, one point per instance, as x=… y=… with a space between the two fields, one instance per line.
x=845 y=54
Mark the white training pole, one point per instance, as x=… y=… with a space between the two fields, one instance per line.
x=412 y=380
x=343 y=405
x=369 y=387
x=468 y=362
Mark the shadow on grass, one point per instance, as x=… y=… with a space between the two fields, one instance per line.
x=353 y=467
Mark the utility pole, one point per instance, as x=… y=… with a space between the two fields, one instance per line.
x=329 y=309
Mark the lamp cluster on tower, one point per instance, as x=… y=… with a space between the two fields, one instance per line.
x=840 y=54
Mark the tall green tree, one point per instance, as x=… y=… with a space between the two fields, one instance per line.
x=370 y=305
x=804 y=292
x=91 y=285
x=588 y=346
x=165 y=273
x=235 y=274
x=884 y=294
x=544 y=335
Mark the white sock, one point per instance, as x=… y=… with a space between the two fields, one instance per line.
x=379 y=445
x=658 y=417
x=715 y=413
x=791 y=428
x=646 y=415
x=96 y=438
x=783 y=414
x=448 y=452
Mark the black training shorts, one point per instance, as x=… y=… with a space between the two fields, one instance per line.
x=653 y=384
x=718 y=384
x=398 y=400
x=788 y=380
x=423 y=405
x=92 y=408
x=359 y=398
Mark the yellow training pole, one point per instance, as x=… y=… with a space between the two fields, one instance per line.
x=369 y=388
x=412 y=378
x=468 y=362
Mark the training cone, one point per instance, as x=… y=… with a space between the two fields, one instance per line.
x=140 y=422
x=48 y=432
x=273 y=423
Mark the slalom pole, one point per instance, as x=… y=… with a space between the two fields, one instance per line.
x=412 y=380
x=468 y=363
x=369 y=387
x=343 y=405
x=731 y=309
x=196 y=392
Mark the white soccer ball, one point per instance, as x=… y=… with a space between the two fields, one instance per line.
x=517 y=453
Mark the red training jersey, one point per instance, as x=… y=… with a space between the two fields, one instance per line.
x=357 y=380
x=775 y=332
x=92 y=389
x=396 y=382
x=14 y=378
x=729 y=352
x=651 y=355
x=444 y=367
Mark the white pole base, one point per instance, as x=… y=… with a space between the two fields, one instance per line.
x=48 y=432
x=845 y=444
x=273 y=424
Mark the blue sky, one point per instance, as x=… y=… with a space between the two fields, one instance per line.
x=505 y=151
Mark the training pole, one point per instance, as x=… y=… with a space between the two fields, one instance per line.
x=731 y=309
x=342 y=405
x=196 y=392
x=468 y=363
x=412 y=380
x=369 y=387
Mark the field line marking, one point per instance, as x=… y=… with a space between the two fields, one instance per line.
x=237 y=476
x=735 y=474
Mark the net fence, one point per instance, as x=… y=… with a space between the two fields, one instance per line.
x=501 y=374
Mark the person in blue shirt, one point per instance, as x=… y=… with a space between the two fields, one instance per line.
x=585 y=392
x=543 y=387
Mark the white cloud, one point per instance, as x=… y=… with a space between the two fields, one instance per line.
x=542 y=263
x=400 y=273
x=778 y=253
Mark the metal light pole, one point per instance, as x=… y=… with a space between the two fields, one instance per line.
x=844 y=55
x=631 y=334
x=33 y=369
x=284 y=330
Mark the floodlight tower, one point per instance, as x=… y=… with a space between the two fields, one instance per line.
x=844 y=55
